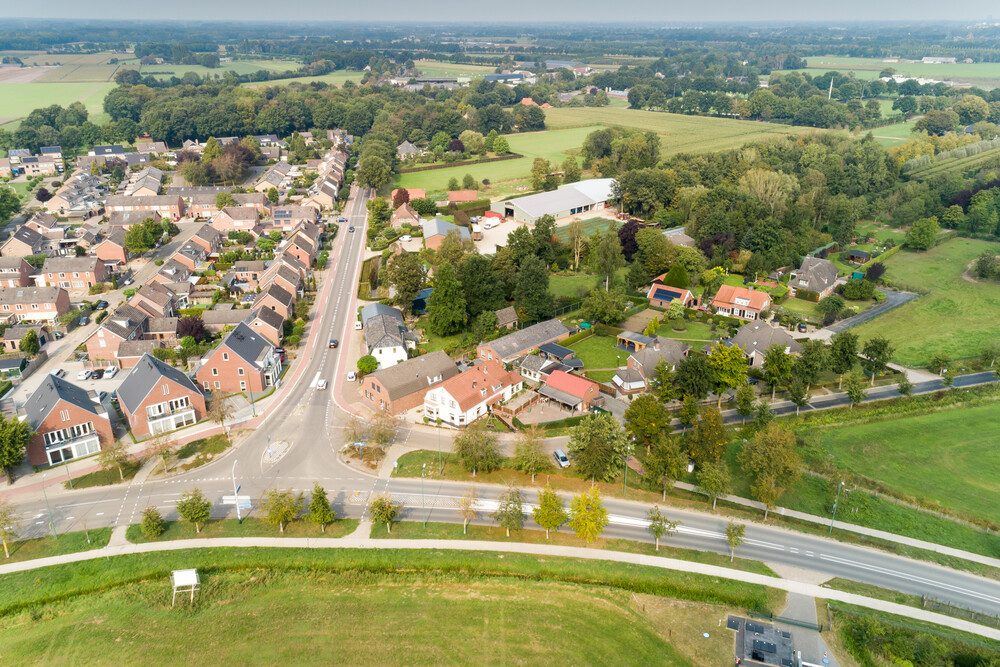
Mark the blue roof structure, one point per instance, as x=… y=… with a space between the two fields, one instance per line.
x=666 y=294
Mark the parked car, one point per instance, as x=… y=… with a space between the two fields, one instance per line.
x=84 y=321
x=101 y=395
x=351 y=376
x=128 y=281
x=561 y=458
x=321 y=385
x=59 y=373
x=101 y=305
x=405 y=237
x=97 y=374
x=83 y=375
x=341 y=219
x=802 y=327
x=491 y=223
x=334 y=343
x=58 y=335
x=110 y=372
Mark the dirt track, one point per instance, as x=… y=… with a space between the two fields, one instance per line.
x=22 y=74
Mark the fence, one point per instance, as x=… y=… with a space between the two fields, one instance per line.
x=32 y=366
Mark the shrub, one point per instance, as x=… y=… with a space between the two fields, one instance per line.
x=158 y=262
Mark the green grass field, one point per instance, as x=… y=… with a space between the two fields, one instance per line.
x=946 y=457
x=78 y=73
x=241 y=67
x=17 y=100
x=590 y=226
x=599 y=352
x=434 y=68
x=956 y=319
x=983 y=74
x=336 y=78
x=893 y=135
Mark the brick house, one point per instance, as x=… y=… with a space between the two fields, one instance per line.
x=33 y=304
x=303 y=246
x=171 y=272
x=519 y=343
x=203 y=205
x=71 y=272
x=402 y=387
x=571 y=391
x=208 y=238
x=68 y=421
x=248 y=271
x=46 y=225
x=815 y=275
x=15 y=272
x=126 y=323
x=155 y=300
x=125 y=220
x=276 y=299
x=190 y=255
x=405 y=213
x=237 y=219
x=744 y=303
x=286 y=218
x=756 y=338
x=157 y=398
x=112 y=249
x=641 y=365
x=12 y=336
x=661 y=295
x=23 y=242
x=168 y=206
x=471 y=394
x=268 y=324
x=280 y=274
x=243 y=361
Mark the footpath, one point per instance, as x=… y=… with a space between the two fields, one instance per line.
x=360 y=540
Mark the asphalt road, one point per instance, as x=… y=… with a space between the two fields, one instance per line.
x=893 y=299
x=309 y=420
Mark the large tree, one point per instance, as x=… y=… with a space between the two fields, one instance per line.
x=777 y=367
x=481 y=287
x=282 y=507
x=876 y=355
x=531 y=293
x=646 y=419
x=598 y=446
x=607 y=307
x=374 y=172
x=549 y=513
x=665 y=462
x=509 y=514
x=772 y=462
x=607 y=256
x=811 y=362
x=476 y=448
x=588 y=517
x=695 y=376
x=729 y=368
x=708 y=442
x=406 y=274
x=194 y=508
x=714 y=480
x=843 y=353
x=446 y=305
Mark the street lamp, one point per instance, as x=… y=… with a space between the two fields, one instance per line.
x=835 y=503
x=440 y=463
x=422 y=470
x=236 y=495
x=52 y=523
x=628 y=452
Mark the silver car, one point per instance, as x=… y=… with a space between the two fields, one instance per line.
x=561 y=458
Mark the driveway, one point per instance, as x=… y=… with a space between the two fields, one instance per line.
x=892 y=300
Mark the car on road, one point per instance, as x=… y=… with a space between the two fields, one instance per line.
x=351 y=228
x=97 y=374
x=561 y=458
x=83 y=375
x=110 y=372
x=59 y=373
x=84 y=321
x=58 y=335
x=334 y=342
x=341 y=219
x=128 y=281
x=101 y=305
x=351 y=376
x=321 y=385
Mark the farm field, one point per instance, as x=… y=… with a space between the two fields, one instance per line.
x=984 y=74
x=679 y=133
x=946 y=457
x=336 y=78
x=19 y=99
x=956 y=319
x=432 y=68
x=957 y=166
x=418 y=621
x=238 y=66
x=893 y=135
x=589 y=225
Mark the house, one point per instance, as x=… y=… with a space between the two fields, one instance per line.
x=285 y=218
x=640 y=368
x=204 y=204
x=125 y=323
x=435 y=230
x=131 y=351
x=112 y=250
x=406 y=150
x=71 y=272
x=462 y=196
x=12 y=366
x=519 y=343
x=571 y=391
x=81 y=196
x=248 y=271
x=15 y=272
x=276 y=299
x=33 y=304
x=402 y=387
x=678 y=236
x=303 y=245
x=23 y=242
x=12 y=336
x=156 y=398
x=506 y=318
x=744 y=303
x=191 y=255
x=154 y=147
x=52 y=152
x=388 y=340
x=278 y=177
x=155 y=300
x=537 y=368
x=268 y=324
x=582 y=197
x=243 y=361
x=208 y=238
x=107 y=150
x=67 y=422
x=815 y=275
x=145 y=186
x=661 y=296
x=237 y=219
x=371 y=310
x=125 y=220
x=172 y=272
x=414 y=193
x=46 y=225
x=756 y=338
x=855 y=256
x=323 y=193
x=405 y=214
x=471 y=394
x=40 y=166
x=162 y=329
x=168 y=206
x=284 y=277
x=219 y=319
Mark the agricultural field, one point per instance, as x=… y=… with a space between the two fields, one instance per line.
x=986 y=75
x=17 y=100
x=955 y=319
x=336 y=78
x=589 y=225
x=960 y=166
x=240 y=67
x=908 y=454
x=436 y=68
x=679 y=133
x=893 y=135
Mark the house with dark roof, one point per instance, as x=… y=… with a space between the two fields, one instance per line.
x=388 y=340
x=12 y=336
x=371 y=310
x=286 y=218
x=507 y=318
x=15 y=272
x=435 y=230
x=172 y=272
x=402 y=387
x=855 y=256
x=68 y=422
x=131 y=351
x=237 y=219
x=756 y=338
x=471 y=394
x=640 y=368
x=23 y=242
x=125 y=220
x=815 y=275
x=156 y=398
x=243 y=361
x=71 y=272
x=519 y=343
x=191 y=255
x=276 y=299
x=661 y=295
x=407 y=150
x=33 y=304
x=125 y=323
x=155 y=300
x=268 y=324
x=111 y=250
x=208 y=238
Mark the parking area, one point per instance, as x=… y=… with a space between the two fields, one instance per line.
x=71 y=370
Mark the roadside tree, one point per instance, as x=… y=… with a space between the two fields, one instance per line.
x=509 y=514
x=735 y=536
x=194 y=508
x=477 y=450
x=549 y=513
x=777 y=367
x=282 y=507
x=320 y=512
x=588 y=517
x=529 y=455
x=707 y=443
x=714 y=480
x=875 y=356
x=383 y=509
x=114 y=456
x=598 y=445
x=659 y=525
x=152 y=525
x=729 y=367
x=14 y=438
x=772 y=462
x=10 y=519
x=468 y=505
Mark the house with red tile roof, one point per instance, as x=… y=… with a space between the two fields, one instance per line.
x=461 y=196
x=745 y=303
x=471 y=394
x=571 y=391
x=415 y=193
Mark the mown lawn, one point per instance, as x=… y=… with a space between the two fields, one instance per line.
x=251 y=527
x=599 y=352
x=65 y=543
x=956 y=319
x=696 y=331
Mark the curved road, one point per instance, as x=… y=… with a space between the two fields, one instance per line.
x=309 y=419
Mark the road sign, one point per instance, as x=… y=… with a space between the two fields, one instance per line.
x=243 y=502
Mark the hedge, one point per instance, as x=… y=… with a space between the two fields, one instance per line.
x=549 y=426
x=5 y=386
x=463 y=163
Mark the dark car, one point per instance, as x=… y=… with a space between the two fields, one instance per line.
x=341 y=219
x=802 y=328
x=101 y=305
x=351 y=228
x=334 y=342
x=97 y=374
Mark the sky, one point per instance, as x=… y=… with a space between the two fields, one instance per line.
x=513 y=10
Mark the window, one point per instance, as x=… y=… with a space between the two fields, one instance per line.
x=166 y=388
x=64 y=415
x=217 y=384
x=225 y=356
x=215 y=372
x=243 y=385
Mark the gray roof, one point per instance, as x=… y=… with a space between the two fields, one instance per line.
x=143 y=200
x=275 y=291
x=245 y=265
x=637 y=337
x=383 y=331
x=559 y=395
x=760 y=337
x=124 y=321
x=27 y=235
x=373 y=309
x=534 y=363
x=565 y=198
x=415 y=374
x=227 y=316
x=245 y=343
x=506 y=316
x=664 y=348
x=29 y=294
x=439 y=227
x=136 y=348
x=122 y=218
x=629 y=375
x=815 y=274
x=163 y=324
x=44 y=399
x=144 y=376
x=269 y=317
x=11 y=263
x=679 y=237
x=527 y=339
x=296 y=213
x=21 y=330
x=69 y=264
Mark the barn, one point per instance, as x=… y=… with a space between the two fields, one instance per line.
x=570 y=199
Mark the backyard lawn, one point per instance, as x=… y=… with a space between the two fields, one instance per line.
x=599 y=352
x=695 y=331
x=956 y=319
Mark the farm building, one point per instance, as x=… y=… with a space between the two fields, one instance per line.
x=570 y=199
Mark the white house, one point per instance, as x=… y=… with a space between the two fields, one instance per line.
x=469 y=395
x=388 y=340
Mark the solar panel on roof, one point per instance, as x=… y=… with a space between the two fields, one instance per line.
x=754 y=628
x=733 y=623
x=666 y=295
x=766 y=647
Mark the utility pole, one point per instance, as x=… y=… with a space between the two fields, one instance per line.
x=422 y=471
x=52 y=523
x=835 y=503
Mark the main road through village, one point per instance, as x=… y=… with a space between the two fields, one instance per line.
x=312 y=422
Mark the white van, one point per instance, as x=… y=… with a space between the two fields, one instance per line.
x=491 y=223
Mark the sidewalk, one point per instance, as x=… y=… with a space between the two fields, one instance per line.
x=360 y=540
